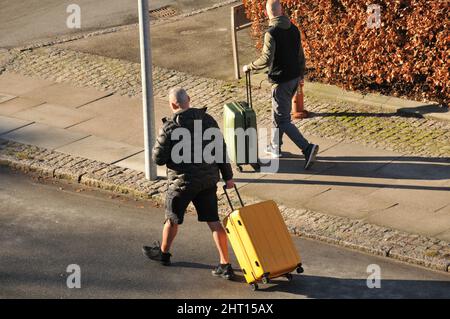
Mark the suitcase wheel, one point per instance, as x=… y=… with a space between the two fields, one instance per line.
x=300 y=270
x=265 y=280
x=254 y=286
x=289 y=277
x=239 y=167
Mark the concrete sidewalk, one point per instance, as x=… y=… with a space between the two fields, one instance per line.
x=381 y=187
x=203 y=47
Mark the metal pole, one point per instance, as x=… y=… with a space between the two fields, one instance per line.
x=147 y=88
x=234 y=42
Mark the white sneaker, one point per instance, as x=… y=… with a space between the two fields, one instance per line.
x=273 y=151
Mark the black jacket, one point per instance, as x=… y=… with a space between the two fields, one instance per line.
x=285 y=65
x=282 y=52
x=189 y=175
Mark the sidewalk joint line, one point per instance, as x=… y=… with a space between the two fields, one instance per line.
x=77 y=140
x=17 y=128
x=120 y=160
x=83 y=121
x=437 y=210
x=322 y=192
x=97 y=99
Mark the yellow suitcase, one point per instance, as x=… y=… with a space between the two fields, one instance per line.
x=261 y=242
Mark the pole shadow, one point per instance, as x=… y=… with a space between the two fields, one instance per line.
x=376 y=167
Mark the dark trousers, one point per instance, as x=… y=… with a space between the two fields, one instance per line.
x=282 y=95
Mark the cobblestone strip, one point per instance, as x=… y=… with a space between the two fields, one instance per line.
x=336 y=120
x=6 y=57
x=428 y=252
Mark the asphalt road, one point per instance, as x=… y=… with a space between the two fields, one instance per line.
x=46 y=226
x=22 y=22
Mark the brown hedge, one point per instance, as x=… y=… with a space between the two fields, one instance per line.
x=408 y=55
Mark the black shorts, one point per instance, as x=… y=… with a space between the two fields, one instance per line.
x=205 y=202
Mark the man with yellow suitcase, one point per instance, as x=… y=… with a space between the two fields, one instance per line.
x=190 y=181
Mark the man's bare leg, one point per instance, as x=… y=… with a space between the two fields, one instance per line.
x=220 y=238
x=169 y=232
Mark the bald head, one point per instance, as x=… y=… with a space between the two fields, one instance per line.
x=179 y=99
x=273 y=8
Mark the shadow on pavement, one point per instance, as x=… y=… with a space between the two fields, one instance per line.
x=415 y=168
x=423 y=109
x=417 y=111
x=329 y=287
x=336 y=183
x=354 y=114
x=389 y=168
x=184 y=264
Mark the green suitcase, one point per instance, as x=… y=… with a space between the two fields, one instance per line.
x=240 y=131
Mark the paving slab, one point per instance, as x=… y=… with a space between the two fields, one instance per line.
x=356 y=160
x=418 y=199
x=444 y=236
x=43 y=136
x=416 y=168
x=347 y=204
x=443 y=210
x=54 y=115
x=289 y=177
x=127 y=129
x=8 y=124
x=356 y=185
x=291 y=195
x=6 y=97
x=18 y=104
x=100 y=149
x=113 y=104
x=407 y=217
x=66 y=95
x=120 y=119
x=291 y=165
x=16 y=84
x=122 y=106
x=183 y=54
x=137 y=162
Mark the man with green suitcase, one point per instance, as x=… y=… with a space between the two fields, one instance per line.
x=283 y=55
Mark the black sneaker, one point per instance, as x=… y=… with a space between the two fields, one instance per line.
x=224 y=270
x=155 y=253
x=310 y=155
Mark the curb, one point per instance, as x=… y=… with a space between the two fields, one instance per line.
x=427 y=252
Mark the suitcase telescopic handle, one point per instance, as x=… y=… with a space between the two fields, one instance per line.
x=248 y=87
x=228 y=197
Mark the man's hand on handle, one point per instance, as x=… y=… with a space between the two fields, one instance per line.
x=245 y=69
x=229 y=184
